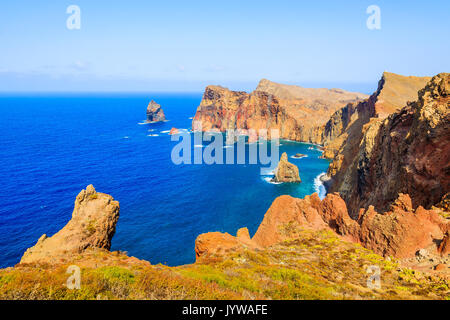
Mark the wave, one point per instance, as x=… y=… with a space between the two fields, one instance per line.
x=165 y=131
x=153 y=135
x=126 y=137
x=269 y=180
x=304 y=156
x=144 y=122
x=319 y=187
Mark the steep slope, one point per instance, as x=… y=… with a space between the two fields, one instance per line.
x=298 y=113
x=294 y=255
x=345 y=126
x=93 y=225
x=407 y=152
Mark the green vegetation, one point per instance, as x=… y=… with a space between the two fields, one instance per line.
x=317 y=265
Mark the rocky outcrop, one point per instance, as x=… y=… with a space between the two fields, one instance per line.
x=346 y=125
x=217 y=243
x=399 y=232
x=444 y=247
x=174 y=131
x=407 y=152
x=154 y=112
x=93 y=225
x=286 y=171
x=298 y=113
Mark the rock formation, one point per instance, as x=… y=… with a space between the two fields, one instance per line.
x=346 y=125
x=286 y=171
x=407 y=152
x=174 y=131
x=298 y=113
x=399 y=232
x=154 y=112
x=93 y=225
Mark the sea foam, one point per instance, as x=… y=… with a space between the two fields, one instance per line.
x=319 y=187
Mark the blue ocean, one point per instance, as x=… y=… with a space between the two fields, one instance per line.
x=53 y=145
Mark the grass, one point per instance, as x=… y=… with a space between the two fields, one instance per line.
x=317 y=265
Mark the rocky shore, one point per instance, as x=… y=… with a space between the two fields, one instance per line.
x=300 y=114
x=388 y=205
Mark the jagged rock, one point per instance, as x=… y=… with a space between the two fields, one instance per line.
x=406 y=152
x=154 y=112
x=243 y=234
x=93 y=225
x=174 y=131
x=444 y=247
x=286 y=171
x=298 y=113
x=400 y=232
x=440 y=267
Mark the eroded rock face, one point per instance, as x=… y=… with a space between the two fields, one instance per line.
x=407 y=152
x=217 y=243
x=154 y=112
x=298 y=113
x=286 y=171
x=93 y=225
x=400 y=232
x=344 y=128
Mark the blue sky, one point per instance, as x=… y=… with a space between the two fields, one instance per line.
x=185 y=45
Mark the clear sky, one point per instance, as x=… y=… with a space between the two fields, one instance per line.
x=184 y=45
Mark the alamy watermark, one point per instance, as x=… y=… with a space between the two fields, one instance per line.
x=73 y=22
x=374 y=280
x=228 y=149
x=74 y=280
x=374 y=20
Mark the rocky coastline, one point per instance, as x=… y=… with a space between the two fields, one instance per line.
x=387 y=205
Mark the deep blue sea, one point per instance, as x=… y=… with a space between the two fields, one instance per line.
x=53 y=146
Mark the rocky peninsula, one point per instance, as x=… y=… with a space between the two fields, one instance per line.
x=300 y=114
x=388 y=206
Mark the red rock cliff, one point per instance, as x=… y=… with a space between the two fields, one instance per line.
x=298 y=113
x=407 y=152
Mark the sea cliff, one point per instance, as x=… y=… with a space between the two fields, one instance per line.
x=300 y=114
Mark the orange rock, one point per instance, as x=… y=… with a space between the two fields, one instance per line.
x=440 y=267
x=215 y=243
x=444 y=247
x=391 y=146
x=285 y=217
x=93 y=225
x=243 y=234
x=399 y=232
x=174 y=131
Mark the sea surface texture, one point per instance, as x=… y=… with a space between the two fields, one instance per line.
x=53 y=146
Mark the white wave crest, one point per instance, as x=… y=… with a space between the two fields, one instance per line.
x=319 y=186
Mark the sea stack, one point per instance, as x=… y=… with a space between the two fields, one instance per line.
x=93 y=225
x=154 y=112
x=286 y=171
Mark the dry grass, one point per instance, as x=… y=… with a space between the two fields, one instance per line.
x=317 y=265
